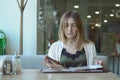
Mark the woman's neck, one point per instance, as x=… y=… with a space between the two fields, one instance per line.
x=70 y=42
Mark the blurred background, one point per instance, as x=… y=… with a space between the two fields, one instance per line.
x=100 y=18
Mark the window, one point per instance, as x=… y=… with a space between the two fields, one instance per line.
x=100 y=17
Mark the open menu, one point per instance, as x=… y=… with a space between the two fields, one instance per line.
x=90 y=68
x=82 y=69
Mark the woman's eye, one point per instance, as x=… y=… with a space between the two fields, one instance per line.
x=73 y=26
x=66 y=25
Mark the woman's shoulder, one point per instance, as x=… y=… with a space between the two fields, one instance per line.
x=57 y=43
x=88 y=42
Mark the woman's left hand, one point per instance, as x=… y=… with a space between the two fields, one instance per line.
x=98 y=62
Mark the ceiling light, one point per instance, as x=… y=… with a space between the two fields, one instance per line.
x=105 y=21
x=97 y=12
x=117 y=5
x=88 y=16
x=98 y=25
x=76 y=6
x=111 y=15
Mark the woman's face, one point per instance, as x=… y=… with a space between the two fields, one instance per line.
x=70 y=29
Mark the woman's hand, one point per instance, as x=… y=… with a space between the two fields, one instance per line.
x=98 y=62
x=52 y=64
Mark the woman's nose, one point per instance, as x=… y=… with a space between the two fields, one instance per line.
x=69 y=29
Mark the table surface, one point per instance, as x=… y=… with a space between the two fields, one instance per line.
x=35 y=74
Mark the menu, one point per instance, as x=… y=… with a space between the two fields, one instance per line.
x=82 y=69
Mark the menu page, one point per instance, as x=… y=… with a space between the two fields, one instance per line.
x=90 y=68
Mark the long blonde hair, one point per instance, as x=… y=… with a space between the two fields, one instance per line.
x=80 y=38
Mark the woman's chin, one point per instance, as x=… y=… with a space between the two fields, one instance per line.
x=70 y=37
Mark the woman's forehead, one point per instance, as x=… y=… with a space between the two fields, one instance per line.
x=70 y=19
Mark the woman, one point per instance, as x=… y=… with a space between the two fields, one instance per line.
x=72 y=49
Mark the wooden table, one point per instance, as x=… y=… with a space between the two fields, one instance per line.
x=35 y=74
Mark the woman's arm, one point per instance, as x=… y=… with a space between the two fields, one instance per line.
x=51 y=63
x=52 y=58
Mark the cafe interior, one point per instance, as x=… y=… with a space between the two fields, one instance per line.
x=100 y=20
x=29 y=27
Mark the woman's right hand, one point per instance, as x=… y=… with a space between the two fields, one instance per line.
x=52 y=64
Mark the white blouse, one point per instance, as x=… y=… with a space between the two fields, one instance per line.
x=56 y=49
